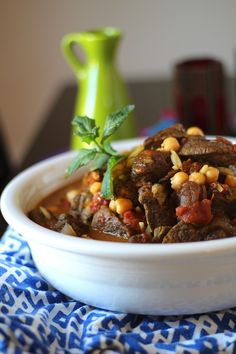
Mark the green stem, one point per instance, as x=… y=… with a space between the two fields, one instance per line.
x=100 y=148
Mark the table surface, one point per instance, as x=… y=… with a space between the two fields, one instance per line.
x=36 y=318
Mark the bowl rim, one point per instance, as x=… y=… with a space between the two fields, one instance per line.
x=17 y=219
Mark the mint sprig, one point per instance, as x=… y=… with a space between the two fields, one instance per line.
x=86 y=128
x=114 y=121
x=101 y=153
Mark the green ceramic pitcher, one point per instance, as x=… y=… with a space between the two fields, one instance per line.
x=101 y=88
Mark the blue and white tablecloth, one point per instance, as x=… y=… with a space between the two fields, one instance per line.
x=35 y=318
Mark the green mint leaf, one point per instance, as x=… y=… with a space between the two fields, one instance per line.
x=85 y=128
x=114 y=121
x=101 y=159
x=109 y=149
x=83 y=157
x=107 y=189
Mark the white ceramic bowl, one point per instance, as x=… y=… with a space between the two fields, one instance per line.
x=151 y=279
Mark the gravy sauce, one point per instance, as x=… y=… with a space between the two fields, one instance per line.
x=57 y=203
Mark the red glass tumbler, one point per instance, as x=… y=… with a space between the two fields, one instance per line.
x=199 y=95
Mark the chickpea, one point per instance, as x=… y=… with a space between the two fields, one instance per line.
x=212 y=174
x=95 y=175
x=123 y=205
x=178 y=179
x=95 y=187
x=195 y=131
x=197 y=177
x=170 y=144
x=231 y=181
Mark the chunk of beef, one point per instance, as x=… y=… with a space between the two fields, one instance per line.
x=81 y=206
x=216 y=235
x=231 y=196
x=167 y=177
x=220 y=202
x=159 y=233
x=73 y=221
x=214 y=152
x=233 y=223
x=150 y=166
x=182 y=232
x=106 y=221
x=189 y=166
x=125 y=188
x=160 y=192
x=224 y=201
x=156 y=212
x=191 y=192
x=140 y=238
x=220 y=227
x=176 y=131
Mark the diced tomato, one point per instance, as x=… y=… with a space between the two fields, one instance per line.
x=97 y=202
x=199 y=213
x=132 y=219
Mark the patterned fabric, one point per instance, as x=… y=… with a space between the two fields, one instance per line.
x=35 y=318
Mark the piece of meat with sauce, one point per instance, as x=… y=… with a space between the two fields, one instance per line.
x=223 y=201
x=125 y=188
x=106 y=221
x=219 y=227
x=194 y=207
x=81 y=206
x=213 y=152
x=67 y=221
x=183 y=232
x=159 y=233
x=156 y=212
x=191 y=192
x=189 y=166
x=231 y=197
x=150 y=166
x=220 y=202
x=176 y=131
x=140 y=238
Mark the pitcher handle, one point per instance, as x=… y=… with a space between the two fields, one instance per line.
x=67 y=47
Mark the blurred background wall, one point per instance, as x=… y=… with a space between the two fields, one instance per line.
x=157 y=34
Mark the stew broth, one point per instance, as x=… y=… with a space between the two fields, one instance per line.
x=57 y=203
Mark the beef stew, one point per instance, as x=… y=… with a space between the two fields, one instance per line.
x=178 y=186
